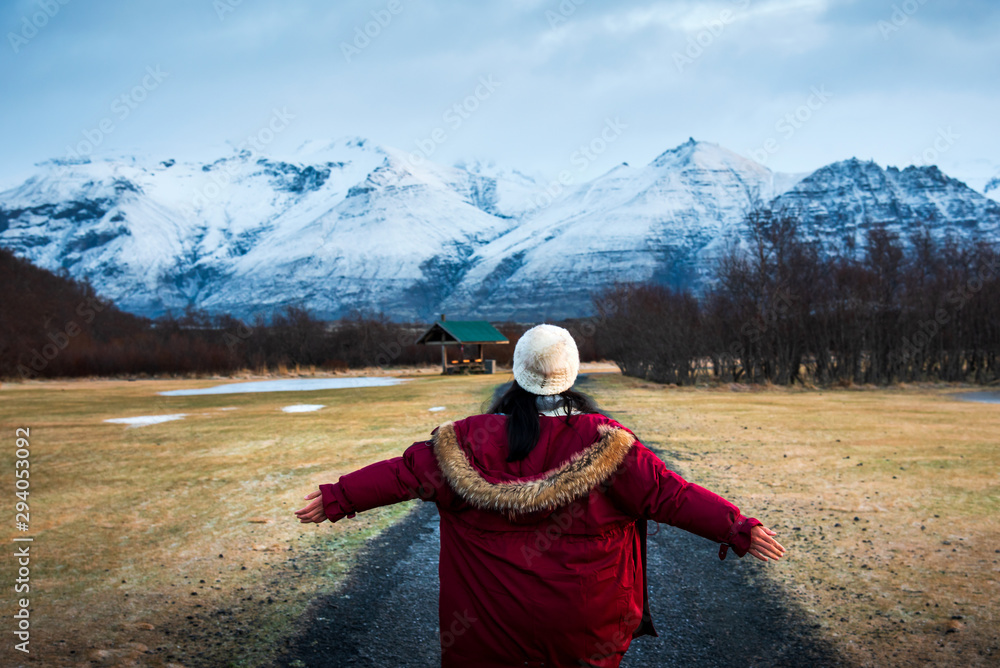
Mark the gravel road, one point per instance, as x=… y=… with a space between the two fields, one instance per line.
x=708 y=612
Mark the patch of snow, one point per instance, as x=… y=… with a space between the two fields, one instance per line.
x=980 y=397
x=289 y=385
x=143 y=420
x=302 y=408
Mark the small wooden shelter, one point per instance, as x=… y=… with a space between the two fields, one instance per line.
x=455 y=337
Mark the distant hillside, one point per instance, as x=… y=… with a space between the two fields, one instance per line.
x=50 y=323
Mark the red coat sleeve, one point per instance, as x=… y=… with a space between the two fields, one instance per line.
x=413 y=475
x=644 y=487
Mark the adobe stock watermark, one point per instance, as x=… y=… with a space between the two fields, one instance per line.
x=544 y=539
x=943 y=141
x=224 y=7
x=242 y=333
x=700 y=41
x=363 y=35
x=758 y=324
x=703 y=39
x=582 y=158
x=222 y=176
x=957 y=299
x=563 y=11
x=607 y=651
x=121 y=108
x=59 y=339
x=390 y=352
x=22 y=518
x=790 y=123
x=33 y=23
x=560 y=522
x=900 y=16
x=460 y=623
x=453 y=117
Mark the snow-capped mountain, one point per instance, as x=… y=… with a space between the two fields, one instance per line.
x=346 y=225
x=653 y=222
x=349 y=224
x=840 y=201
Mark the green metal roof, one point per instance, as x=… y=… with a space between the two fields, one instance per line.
x=462 y=331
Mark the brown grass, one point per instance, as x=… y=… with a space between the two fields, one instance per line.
x=129 y=521
x=887 y=500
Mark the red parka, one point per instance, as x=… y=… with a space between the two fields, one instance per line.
x=543 y=559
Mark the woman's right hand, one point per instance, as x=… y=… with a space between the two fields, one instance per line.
x=314 y=511
x=763 y=546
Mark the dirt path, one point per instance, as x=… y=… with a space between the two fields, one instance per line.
x=708 y=612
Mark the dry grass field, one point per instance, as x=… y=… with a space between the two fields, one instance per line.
x=887 y=500
x=175 y=543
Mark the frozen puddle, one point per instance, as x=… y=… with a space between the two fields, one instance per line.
x=289 y=385
x=436 y=409
x=143 y=420
x=980 y=397
x=302 y=408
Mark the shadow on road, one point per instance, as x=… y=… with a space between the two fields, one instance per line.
x=708 y=612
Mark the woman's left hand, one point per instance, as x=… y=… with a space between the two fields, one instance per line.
x=763 y=546
x=314 y=511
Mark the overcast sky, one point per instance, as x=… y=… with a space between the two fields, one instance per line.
x=880 y=79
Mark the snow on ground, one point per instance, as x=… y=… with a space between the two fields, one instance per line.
x=980 y=397
x=289 y=385
x=302 y=408
x=143 y=420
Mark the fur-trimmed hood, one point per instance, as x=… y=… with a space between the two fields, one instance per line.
x=573 y=479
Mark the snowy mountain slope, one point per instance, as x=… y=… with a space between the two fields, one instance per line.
x=348 y=224
x=842 y=200
x=499 y=191
x=355 y=227
x=981 y=174
x=654 y=222
x=399 y=237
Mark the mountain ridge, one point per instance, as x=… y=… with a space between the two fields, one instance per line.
x=336 y=226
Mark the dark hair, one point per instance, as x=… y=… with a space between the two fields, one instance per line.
x=523 y=428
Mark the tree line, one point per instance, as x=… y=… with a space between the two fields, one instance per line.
x=781 y=308
x=785 y=308
x=54 y=326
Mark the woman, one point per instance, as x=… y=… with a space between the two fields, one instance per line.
x=543 y=503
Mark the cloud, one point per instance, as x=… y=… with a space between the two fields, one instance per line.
x=561 y=77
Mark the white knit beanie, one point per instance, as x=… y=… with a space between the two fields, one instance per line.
x=546 y=360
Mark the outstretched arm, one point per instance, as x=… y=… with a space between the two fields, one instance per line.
x=644 y=487
x=413 y=475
